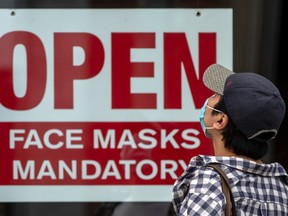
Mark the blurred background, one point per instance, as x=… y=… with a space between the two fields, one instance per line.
x=259 y=45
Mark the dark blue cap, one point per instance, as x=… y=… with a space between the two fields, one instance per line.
x=253 y=102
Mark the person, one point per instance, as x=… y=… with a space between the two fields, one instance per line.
x=241 y=118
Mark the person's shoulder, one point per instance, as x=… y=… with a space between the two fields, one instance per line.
x=199 y=166
x=201 y=160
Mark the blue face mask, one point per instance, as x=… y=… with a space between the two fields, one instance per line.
x=201 y=117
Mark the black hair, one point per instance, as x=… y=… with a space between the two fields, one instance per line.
x=236 y=141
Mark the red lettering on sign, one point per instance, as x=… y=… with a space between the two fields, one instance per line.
x=65 y=72
x=123 y=70
x=36 y=70
x=176 y=55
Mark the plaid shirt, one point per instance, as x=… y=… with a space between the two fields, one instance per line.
x=258 y=189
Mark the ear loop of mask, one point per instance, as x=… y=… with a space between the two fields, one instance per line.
x=213 y=109
x=203 y=110
x=219 y=111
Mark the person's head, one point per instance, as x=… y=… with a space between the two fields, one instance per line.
x=247 y=108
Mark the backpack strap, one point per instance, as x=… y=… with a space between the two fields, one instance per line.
x=226 y=189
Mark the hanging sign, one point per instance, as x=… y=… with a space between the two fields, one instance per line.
x=104 y=104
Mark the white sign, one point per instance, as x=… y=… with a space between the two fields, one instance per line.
x=99 y=102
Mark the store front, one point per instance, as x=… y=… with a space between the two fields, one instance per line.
x=100 y=100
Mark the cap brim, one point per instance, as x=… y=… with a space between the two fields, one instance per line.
x=215 y=77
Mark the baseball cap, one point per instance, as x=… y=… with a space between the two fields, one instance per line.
x=253 y=102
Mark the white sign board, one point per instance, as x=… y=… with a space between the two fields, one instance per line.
x=104 y=104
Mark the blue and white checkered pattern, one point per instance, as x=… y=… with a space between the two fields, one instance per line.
x=258 y=189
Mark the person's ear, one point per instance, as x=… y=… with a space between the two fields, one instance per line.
x=222 y=122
